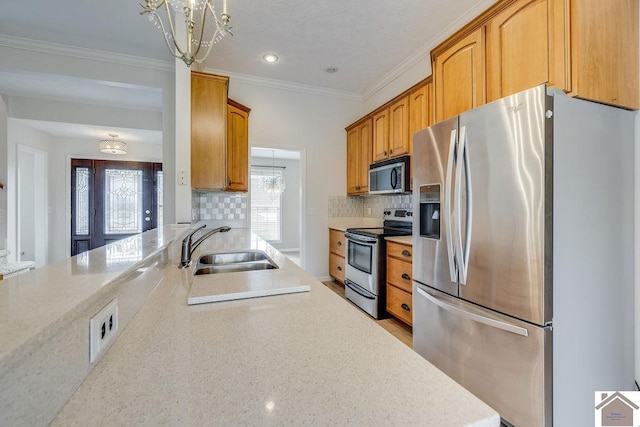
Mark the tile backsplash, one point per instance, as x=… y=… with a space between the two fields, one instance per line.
x=358 y=206
x=219 y=206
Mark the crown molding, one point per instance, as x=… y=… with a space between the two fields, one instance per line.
x=284 y=85
x=84 y=53
x=425 y=50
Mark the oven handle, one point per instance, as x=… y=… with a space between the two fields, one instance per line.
x=355 y=288
x=360 y=239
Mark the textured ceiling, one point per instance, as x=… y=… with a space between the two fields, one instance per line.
x=366 y=40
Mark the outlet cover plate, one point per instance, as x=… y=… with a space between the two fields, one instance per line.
x=102 y=329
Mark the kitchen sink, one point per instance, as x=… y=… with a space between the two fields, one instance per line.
x=231 y=262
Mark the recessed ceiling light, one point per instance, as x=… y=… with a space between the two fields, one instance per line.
x=270 y=57
x=332 y=69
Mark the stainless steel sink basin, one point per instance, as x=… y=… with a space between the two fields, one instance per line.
x=230 y=262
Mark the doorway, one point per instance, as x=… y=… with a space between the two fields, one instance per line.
x=33 y=205
x=277 y=215
x=112 y=200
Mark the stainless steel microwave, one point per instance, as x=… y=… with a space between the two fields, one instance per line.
x=390 y=176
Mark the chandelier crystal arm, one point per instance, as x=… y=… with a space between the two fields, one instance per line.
x=202 y=23
x=171 y=27
x=151 y=10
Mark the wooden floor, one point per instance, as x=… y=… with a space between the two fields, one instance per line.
x=398 y=329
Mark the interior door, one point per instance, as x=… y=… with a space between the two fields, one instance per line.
x=112 y=200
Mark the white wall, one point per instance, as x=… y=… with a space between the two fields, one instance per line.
x=313 y=123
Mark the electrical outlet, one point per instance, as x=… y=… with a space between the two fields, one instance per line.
x=102 y=328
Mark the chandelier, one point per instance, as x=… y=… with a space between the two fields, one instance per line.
x=111 y=146
x=195 y=15
x=274 y=184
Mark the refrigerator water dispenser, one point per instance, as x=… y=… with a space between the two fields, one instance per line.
x=430 y=211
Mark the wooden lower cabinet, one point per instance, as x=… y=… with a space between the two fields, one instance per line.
x=336 y=267
x=399 y=304
x=336 y=254
x=399 y=290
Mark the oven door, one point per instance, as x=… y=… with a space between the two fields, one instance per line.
x=362 y=262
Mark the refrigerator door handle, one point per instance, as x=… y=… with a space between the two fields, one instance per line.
x=463 y=252
x=474 y=317
x=453 y=272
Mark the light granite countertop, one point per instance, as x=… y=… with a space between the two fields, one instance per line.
x=304 y=358
x=341 y=224
x=298 y=358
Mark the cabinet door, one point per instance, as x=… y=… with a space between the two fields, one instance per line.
x=336 y=242
x=399 y=127
x=381 y=135
x=458 y=75
x=208 y=131
x=353 y=148
x=604 y=51
x=364 y=156
x=336 y=267
x=419 y=111
x=237 y=149
x=526 y=47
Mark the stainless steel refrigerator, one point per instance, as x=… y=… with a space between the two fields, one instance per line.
x=523 y=254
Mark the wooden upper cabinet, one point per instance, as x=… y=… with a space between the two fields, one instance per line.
x=526 y=47
x=604 y=51
x=588 y=48
x=237 y=147
x=380 y=135
x=420 y=114
x=358 y=157
x=208 y=131
x=399 y=127
x=420 y=110
x=458 y=75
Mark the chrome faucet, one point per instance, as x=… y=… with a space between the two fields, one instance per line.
x=188 y=246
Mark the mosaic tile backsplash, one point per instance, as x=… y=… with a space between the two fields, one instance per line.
x=219 y=206
x=357 y=206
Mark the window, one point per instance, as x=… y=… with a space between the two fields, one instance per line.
x=266 y=209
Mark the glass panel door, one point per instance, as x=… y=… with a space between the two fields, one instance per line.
x=112 y=200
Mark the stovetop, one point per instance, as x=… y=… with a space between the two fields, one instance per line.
x=397 y=222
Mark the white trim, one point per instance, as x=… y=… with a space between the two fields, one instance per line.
x=325 y=279
x=281 y=84
x=84 y=53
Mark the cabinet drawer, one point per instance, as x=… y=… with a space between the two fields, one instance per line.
x=399 y=274
x=397 y=250
x=336 y=267
x=399 y=304
x=336 y=242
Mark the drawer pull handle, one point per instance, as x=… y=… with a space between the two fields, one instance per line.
x=405 y=307
x=405 y=276
x=339 y=243
x=406 y=253
x=339 y=268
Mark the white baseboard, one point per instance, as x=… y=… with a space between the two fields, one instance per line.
x=325 y=278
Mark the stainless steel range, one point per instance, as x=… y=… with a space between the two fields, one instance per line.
x=366 y=264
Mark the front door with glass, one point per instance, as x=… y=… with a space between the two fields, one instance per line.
x=111 y=200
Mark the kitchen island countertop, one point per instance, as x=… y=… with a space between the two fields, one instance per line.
x=307 y=358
